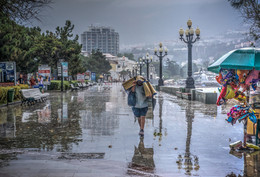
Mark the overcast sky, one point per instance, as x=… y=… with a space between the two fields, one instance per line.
x=143 y=21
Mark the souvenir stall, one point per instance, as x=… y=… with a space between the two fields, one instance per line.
x=239 y=76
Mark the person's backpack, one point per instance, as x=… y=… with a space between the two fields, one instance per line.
x=131 y=99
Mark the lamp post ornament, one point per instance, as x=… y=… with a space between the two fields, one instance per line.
x=147 y=60
x=136 y=69
x=161 y=55
x=189 y=34
x=140 y=63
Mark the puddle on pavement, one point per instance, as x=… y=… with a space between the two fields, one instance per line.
x=80 y=156
x=142 y=161
x=69 y=121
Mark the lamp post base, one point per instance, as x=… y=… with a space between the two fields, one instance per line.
x=160 y=82
x=190 y=82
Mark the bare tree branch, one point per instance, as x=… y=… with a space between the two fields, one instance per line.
x=250 y=11
x=22 y=10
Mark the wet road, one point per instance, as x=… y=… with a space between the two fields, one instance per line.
x=93 y=133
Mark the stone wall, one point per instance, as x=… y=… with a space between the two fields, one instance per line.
x=196 y=94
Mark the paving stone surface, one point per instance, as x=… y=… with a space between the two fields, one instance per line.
x=93 y=132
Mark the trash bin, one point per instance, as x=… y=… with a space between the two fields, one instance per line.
x=10 y=95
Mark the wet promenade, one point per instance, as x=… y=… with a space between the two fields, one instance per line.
x=93 y=133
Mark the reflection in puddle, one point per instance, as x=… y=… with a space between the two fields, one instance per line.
x=142 y=162
x=159 y=130
x=41 y=126
x=44 y=115
x=56 y=129
x=251 y=163
x=188 y=161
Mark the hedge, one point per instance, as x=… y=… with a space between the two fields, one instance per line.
x=56 y=84
x=17 y=94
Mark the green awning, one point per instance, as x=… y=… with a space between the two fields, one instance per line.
x=244 y=58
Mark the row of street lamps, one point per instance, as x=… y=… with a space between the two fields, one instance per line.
x=188 y=38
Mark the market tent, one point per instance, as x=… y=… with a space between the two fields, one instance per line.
x=244 y=58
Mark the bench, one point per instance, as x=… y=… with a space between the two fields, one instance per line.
x=73 y=87
x=84 y=84
x=80 y=85
x=31 y=96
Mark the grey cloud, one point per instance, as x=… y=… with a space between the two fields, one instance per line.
x=143 y=21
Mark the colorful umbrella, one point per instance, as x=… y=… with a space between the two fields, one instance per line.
x=244 y=59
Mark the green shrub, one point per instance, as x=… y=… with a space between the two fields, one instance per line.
x=17 y=94
x=56 y=85
x=74 y=82
x=3 y=94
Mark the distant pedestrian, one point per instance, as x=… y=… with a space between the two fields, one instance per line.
x=143 y=94
x=21 y=80
x=32 y=82
x=40 y=80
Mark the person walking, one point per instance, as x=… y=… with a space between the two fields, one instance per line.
x=143 y=94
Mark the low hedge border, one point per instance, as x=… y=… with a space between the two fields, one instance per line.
x=56 y=84
x=17 y=94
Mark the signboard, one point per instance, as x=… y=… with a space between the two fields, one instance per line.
x=93 y=76
x=87 y=75
x=45 y=72
x=81 y=77
x=7 y=72
x=64 y=67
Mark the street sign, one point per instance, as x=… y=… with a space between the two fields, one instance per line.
x=8 y=72
x=64 y=67
x=80 y=77
x=93 y=76
x=45 y=72
x=87 y=75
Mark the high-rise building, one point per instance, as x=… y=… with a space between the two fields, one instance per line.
x=105 y=39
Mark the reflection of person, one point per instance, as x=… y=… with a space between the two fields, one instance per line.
x=32 y=81
x=20 y=80
x=141 y=107
x=142 y=159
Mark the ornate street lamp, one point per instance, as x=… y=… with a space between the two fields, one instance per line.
x=147 y=60
x=133 y=71
x=136 y=69
x=189 y=33
x=140 y=64
x=161 y=55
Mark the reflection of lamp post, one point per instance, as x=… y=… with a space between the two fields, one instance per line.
x=147 y=60
x=160 y=82
x=189 y=33
x=190 y=161
x=140 y=63
x=160 y=101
